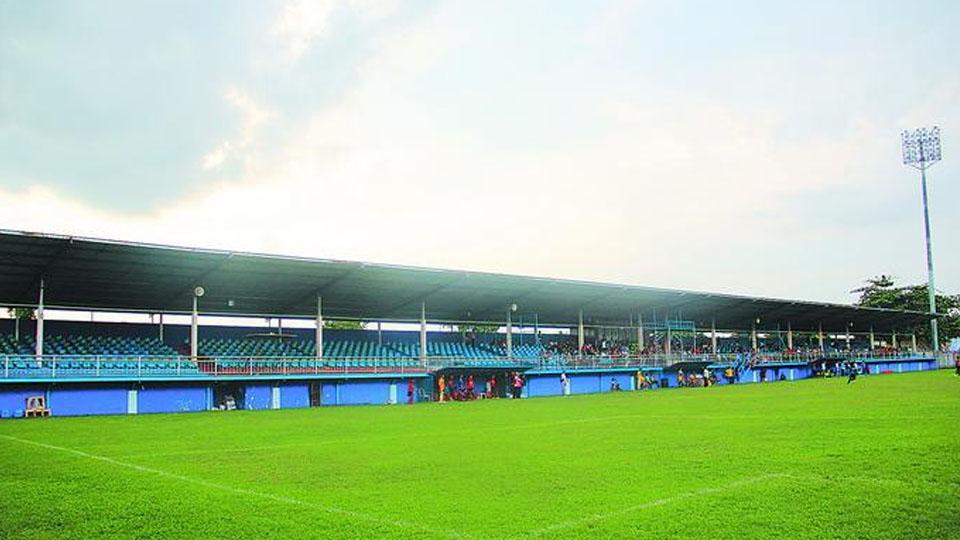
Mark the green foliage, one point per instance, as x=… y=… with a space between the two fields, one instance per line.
x=343 y=325
x=882 y=292
x=477 y=328
x=805 y=459
x=22 y=313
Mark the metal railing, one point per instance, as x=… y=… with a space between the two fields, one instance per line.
x=154 y=366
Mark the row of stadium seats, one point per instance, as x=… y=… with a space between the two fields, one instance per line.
x=224 y=348
x=80 y=345
x=113 y=366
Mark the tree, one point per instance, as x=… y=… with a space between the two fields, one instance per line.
x=343 y=325
x=22 y=313
x=881 y=292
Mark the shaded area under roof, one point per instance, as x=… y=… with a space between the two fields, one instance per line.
x=85 y=273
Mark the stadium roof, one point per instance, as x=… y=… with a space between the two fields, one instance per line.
x=93 y=274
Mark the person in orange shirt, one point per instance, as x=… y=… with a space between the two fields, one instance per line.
x=442 y=385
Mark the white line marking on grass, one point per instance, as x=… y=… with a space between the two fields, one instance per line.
x=656 y=502
x=239 y=491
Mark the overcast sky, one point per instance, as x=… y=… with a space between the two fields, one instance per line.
x=744 y=147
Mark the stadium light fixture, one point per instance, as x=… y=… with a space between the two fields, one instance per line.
x=921 y=149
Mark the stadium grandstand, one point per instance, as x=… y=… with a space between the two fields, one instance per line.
x=464 y=324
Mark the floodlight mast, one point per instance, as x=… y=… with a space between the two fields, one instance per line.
x=921 y=149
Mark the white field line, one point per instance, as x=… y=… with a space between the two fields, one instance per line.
x=512 y=427
x=654 y=503
x=240 y=491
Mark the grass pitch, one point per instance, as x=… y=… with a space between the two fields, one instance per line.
x=807 y=459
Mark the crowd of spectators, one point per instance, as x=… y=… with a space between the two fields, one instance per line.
x=460 y=388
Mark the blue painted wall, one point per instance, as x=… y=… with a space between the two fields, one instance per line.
x=543 y=385
x=585 y=384
x=294 y=396
x=257 y=396
x=372 y=392
x=14 y=398
x=172 y=398
x=358 y=392
x=87 y=399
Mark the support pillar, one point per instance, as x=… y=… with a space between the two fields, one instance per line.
x=580 y=335
x=668 y=345
x=753 y=337
x=893 y=337
x=379 y=334
x=510 y=332
x=789 y=336
x=318 y=337
x=820 y=336
x=423 y=331
x=913 y=342
x=194 y=323
x=39 y=345
x=847 y=337
x=872 y=340
x=536 y=328
x=713 y=337
x=161 y=327
x=640 y=344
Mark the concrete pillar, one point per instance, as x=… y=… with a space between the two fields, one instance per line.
x=379 y=334
x=713 y=336
x=536 y=328
x=318 y=337
x=789 y=336
x=580 y=334
x=668 y=345
x=161 y=327
x=847 y=336
x=423 y=331
x=894 y=340
x=640 y=343
x=39 y=344
x=753 y=337
x=913 y=342
x=872 y=338
x=510 y=331
x=820 y=336
x=194 y=323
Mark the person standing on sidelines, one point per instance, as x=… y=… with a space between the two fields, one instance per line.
x=517 y=385
x=410 y=390
x=564 y=384
x=442 y=386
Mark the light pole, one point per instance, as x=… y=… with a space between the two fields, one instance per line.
x=921 y=149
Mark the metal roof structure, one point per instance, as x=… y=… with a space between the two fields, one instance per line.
x=94 y=274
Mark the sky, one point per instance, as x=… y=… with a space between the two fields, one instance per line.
x=740 y=147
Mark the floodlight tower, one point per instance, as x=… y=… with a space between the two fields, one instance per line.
x=921 y=149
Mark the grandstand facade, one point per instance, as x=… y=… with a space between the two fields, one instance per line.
x=600 y=334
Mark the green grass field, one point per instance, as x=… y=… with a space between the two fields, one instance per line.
x=812 y=459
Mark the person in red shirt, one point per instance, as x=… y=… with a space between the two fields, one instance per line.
x=410 y=390
x=470 y=387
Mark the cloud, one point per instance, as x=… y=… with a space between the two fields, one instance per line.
x=300 y=23
x=460 y=146
x=252 y=117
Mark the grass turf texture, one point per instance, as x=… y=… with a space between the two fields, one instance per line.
x=815 y=459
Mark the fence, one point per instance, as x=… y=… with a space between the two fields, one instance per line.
x=21 y=367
